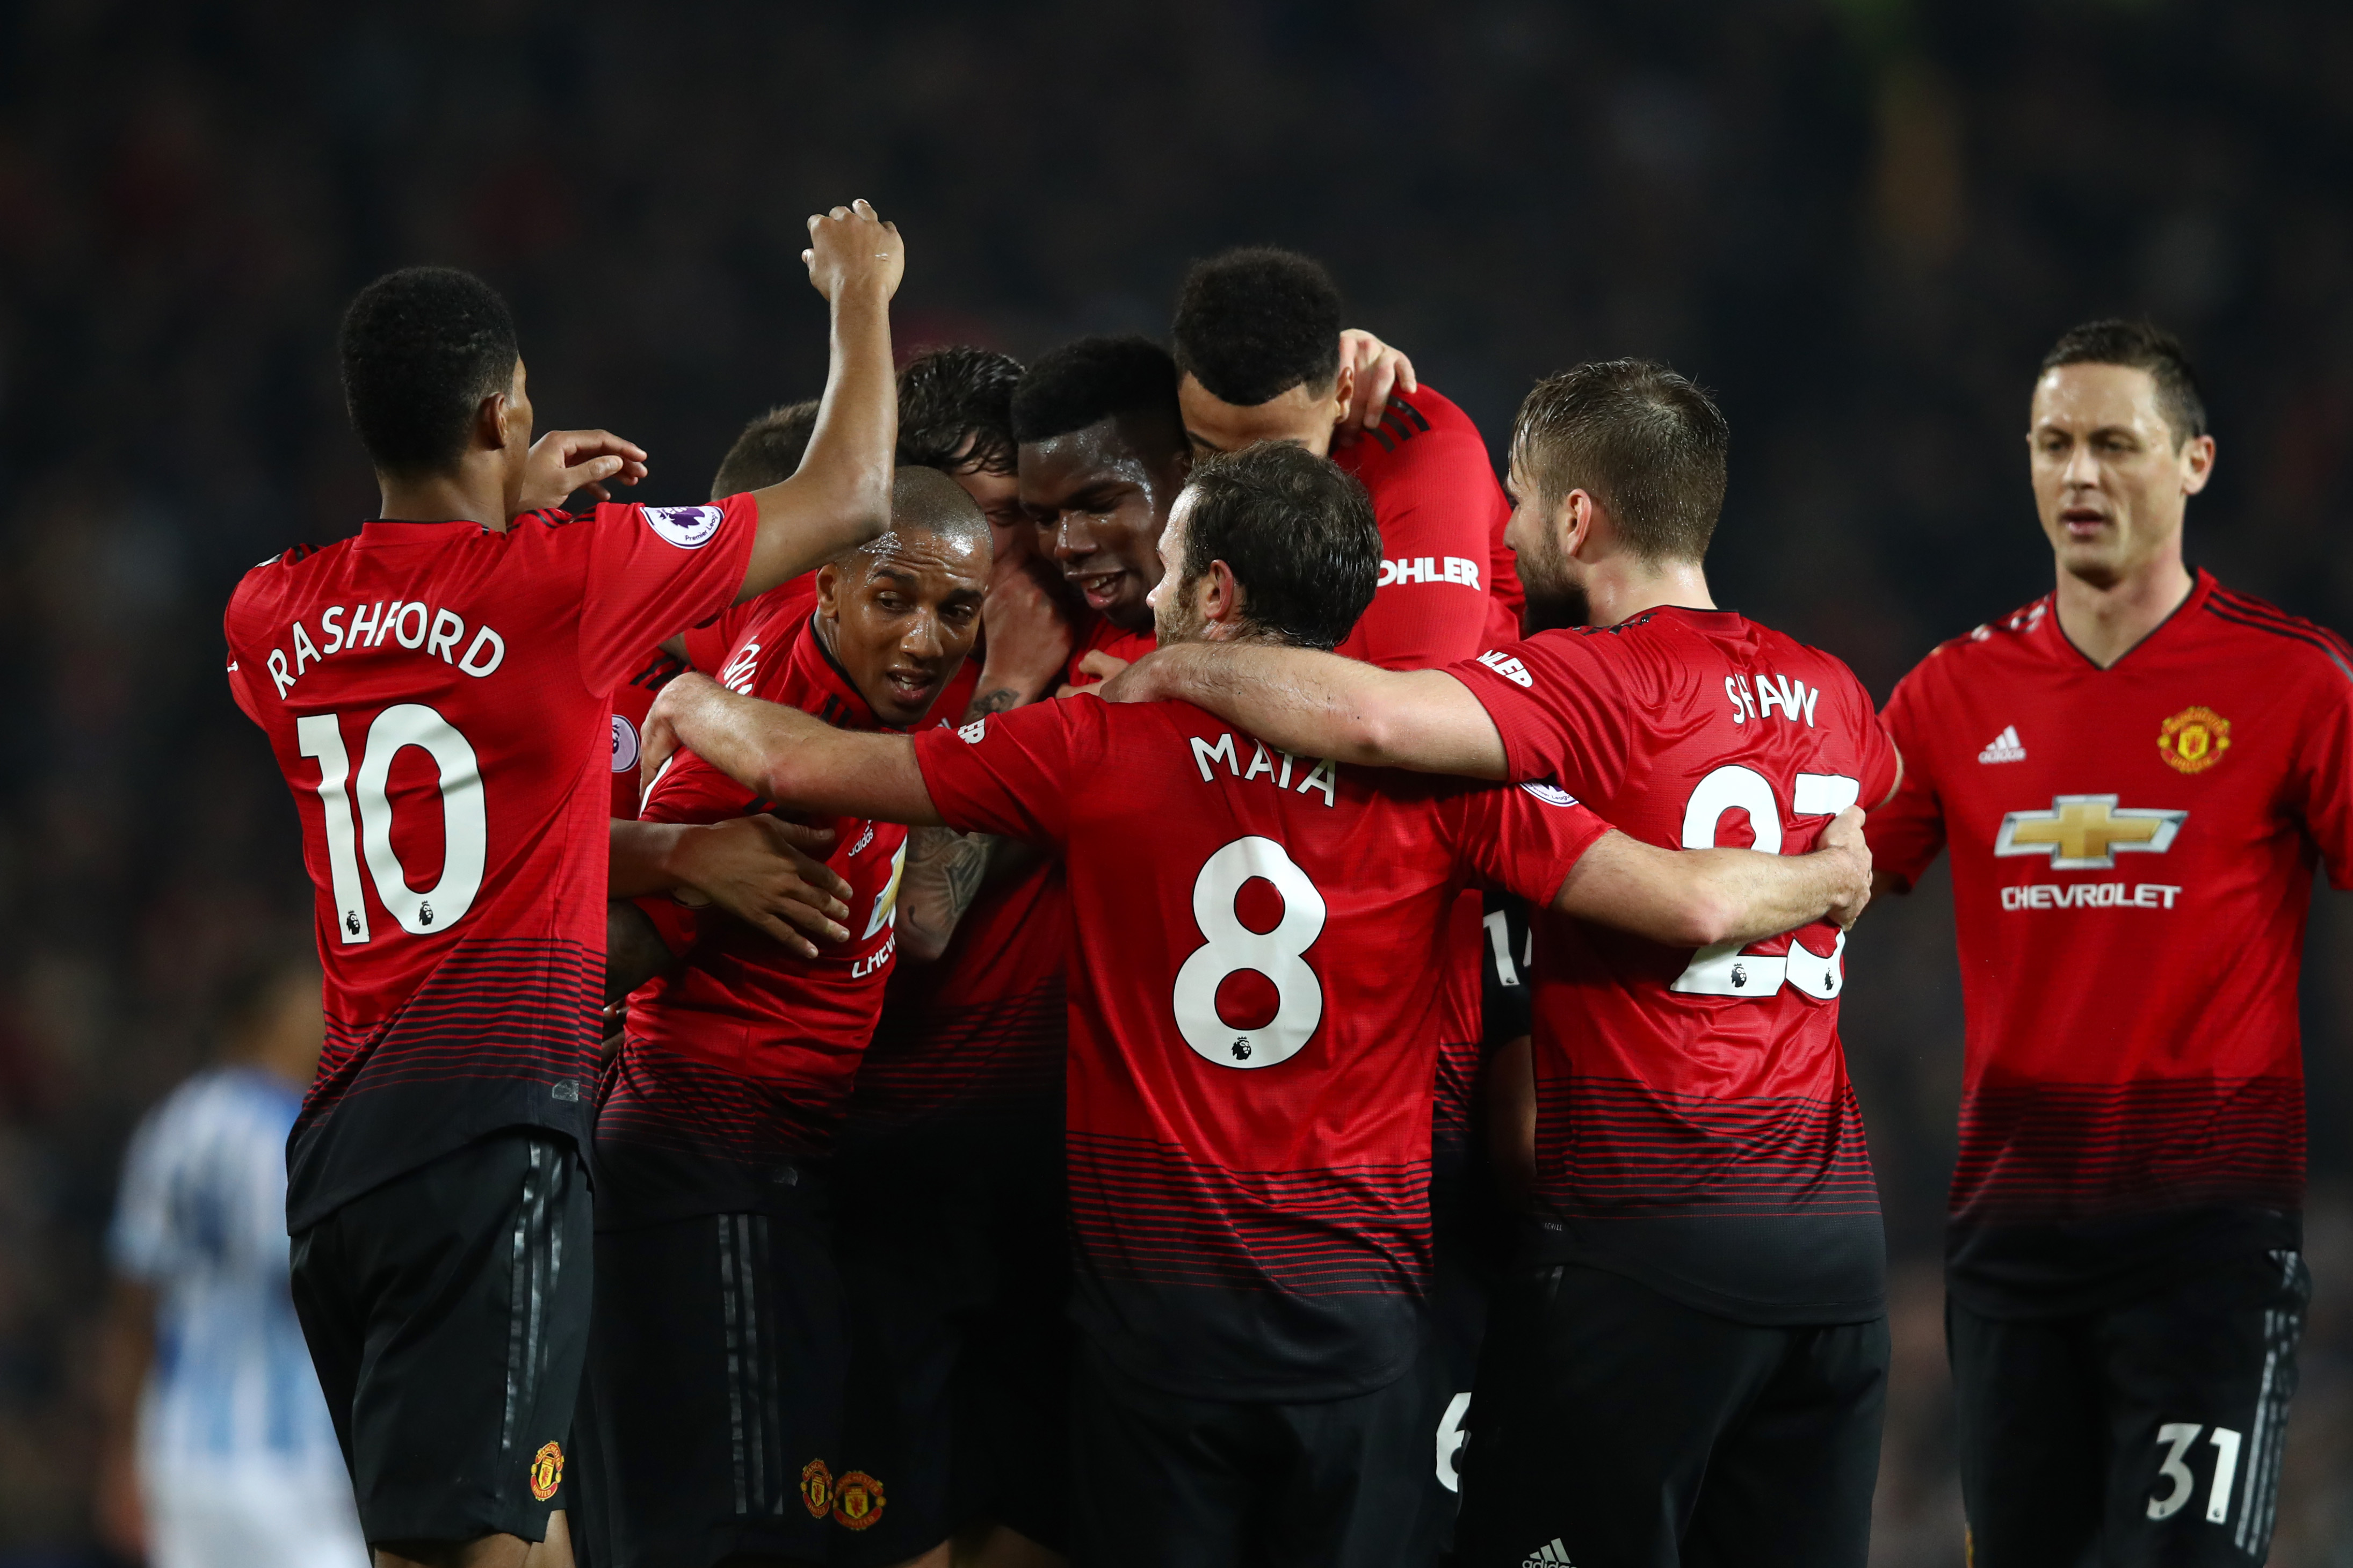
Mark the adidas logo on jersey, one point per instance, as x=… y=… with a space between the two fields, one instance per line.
x=1554 y=1555
x=2005 y=747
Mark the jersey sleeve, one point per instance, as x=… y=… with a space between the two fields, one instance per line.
x=651 y=572
x=2323 y=778
x=1432 y=604
x=1014 y=773
x=1907 y=832
x=688 y=789
x=237 y=692
x=1522 y=838
x=709 y=643
x=1557 y=705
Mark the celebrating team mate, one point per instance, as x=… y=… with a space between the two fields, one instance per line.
x=1692 y=1367
x=2136 y=774
x=433 y=686
x=718 y=1359
x=1254 y=335
x=1250 y=1040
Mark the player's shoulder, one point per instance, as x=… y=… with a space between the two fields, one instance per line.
x=285 y=574
x=215 y=1102
x=2003 y=640
x=1421 y=426
x=2276 y=638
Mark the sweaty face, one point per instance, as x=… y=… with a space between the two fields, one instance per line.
x=2108 y=481
x=1213 y=425
x=1098 y=499
x=901 y=616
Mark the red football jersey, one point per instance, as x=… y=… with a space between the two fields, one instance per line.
x=632 y=701
x=432 y=690
x=710 y=644
x=1447 y=586
x=738 y=1062
x=2133 y=854
x=1695 y=1129
x=1253 y=942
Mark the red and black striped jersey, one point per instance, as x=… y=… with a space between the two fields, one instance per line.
x=737 y=1064
x=1695 y=1128
x=1253 y=947
x=632 y=701
x=2133 y=854
x=433 y=691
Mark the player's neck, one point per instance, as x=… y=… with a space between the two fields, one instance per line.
x=472 y=493
x=2105 y=623
x=1624 y=586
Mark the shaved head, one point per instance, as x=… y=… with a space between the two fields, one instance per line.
x=925 y=501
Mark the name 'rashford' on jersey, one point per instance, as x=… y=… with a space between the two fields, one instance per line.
x=738 y=1062
x=2133 y=854
x=1695 y=1128
x=1255 y=946
x=437 y=696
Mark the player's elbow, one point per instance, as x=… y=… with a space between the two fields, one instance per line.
x=1703 y=915
x=1373 y=736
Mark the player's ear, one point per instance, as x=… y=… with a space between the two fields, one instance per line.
x=828 y=590
x=1344 y=392
x=2197 y=463
x=1573 y=521
x=1223 y=594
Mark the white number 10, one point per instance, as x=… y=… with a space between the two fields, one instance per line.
x=464 y=822
x=1724 y=970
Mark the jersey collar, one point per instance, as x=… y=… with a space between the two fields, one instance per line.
x=813 y=667
x=2201 y=587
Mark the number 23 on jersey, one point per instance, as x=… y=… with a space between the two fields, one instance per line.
x=1724 y=970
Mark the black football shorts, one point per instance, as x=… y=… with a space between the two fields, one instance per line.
x=715 y=1379
x=955 y=1265
x=2148 y=1432
x=1613 y=1426
x=1161 y=1481
x=447 y=1312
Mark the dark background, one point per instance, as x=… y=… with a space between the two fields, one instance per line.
x=1861 y=221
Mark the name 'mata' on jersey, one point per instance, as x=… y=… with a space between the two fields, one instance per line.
x=1256 y=943
x=739 y=1061
x=1695 y=1128
x=437 y=694
x=2133 y=850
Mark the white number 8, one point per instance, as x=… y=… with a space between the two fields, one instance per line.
x=1233 y=946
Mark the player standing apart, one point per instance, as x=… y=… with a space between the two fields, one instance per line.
x=1250 y=1028
x=437 y=690
x=2136 y=774
x=1691 y=1365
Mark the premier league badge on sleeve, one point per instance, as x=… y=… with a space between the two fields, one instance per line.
x=688 y=527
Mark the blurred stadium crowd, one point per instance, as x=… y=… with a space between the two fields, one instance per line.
x=1859 y=221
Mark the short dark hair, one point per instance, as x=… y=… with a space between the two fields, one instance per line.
x=768 y=452
x=925 y=501
x=1093 y=379
x=421 y=348
x=2139 y=346
x=1297 y=532
x=1645 y=442
x=1252 y=324
x=953 y=395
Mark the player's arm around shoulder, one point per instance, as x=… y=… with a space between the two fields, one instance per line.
x=1318 y=704
x=787 y=756
x=841 y=495
x=1698 y=898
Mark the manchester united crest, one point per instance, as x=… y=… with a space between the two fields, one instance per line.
x=546 y=1472
x=816 y=1489
x=2194 y=740
x=857 y=1500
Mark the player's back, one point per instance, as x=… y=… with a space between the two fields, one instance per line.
x=437 y=696
x=1695 y=1125
x=1256 y=945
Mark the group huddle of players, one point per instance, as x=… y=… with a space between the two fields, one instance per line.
x=1060 y=817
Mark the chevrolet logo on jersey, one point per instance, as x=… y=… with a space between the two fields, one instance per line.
x=2086 y=832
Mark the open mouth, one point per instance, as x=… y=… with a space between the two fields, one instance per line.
x=2083 y=522
x=911 y=687
x=1101 y=589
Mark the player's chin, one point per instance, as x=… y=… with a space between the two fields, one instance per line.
x=905 y=696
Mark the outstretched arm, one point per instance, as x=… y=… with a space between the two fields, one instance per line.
x=1321 y=705
x=787 y=756
x=840 y=496
x=1697 y=898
